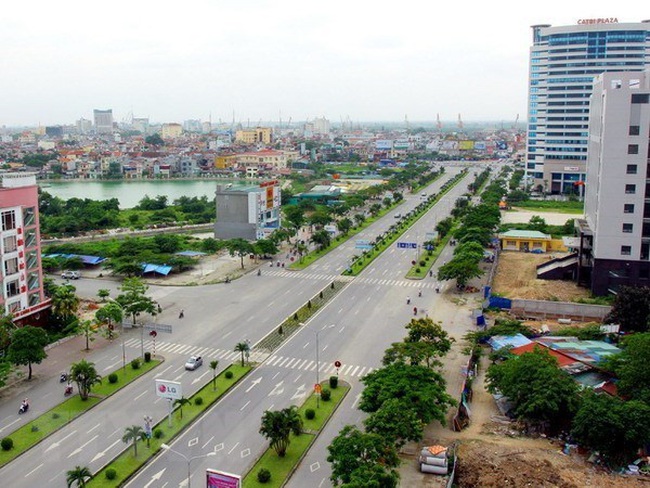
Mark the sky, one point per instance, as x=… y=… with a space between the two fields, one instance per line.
x=255 y=60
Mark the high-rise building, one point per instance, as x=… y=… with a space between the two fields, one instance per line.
x=84 y=126
x=103 y=121
x=253 y=136
x=21 y=276
x=615 y=234
x=563 y=63
x=141 y=124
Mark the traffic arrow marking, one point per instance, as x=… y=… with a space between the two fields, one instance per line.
x=155 y=477
x=254 y=383
x=300 y=392
x=80 y=448
x=57 y=444
x=277 y=390
x=103 y=453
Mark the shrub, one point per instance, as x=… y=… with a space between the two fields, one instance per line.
x=334 y=382
x=325 y=395
x=147 y=357
x=55 y=415
x=228 y=375
x=158 y=433
x=135 y=363
x=110 y=474
x=263 y=475
x=34 y=428
x=198 y=401
x=7 y=443
x=112 y=378
x=417 y=270
x=310 y=413
x=423 y=263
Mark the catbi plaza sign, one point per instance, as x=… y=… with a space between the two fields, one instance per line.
x=606 y=20
x=169 y=389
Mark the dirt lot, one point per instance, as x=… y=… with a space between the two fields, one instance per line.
x=516 y=277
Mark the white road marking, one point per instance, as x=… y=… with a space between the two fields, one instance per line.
x=233 y=448
x=245 y=405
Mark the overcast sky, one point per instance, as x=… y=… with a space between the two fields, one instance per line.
x=369 y=61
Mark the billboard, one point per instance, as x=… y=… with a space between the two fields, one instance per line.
x=383 y=145
x=480 y=145
x=169 y=389
x=466 y=145
x=220 y=479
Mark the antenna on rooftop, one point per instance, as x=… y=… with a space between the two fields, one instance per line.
x=438 y=123
x=460 y=122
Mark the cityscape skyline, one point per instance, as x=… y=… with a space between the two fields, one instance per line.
x=263 y=62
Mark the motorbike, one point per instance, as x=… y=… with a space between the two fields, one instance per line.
x=23 y=408
x=259 y=272
x=68 y=390
x=415 y=310
x=63 y=378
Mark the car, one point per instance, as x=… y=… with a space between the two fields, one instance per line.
x=398 y=215
x=193 y=362
x=71 y=275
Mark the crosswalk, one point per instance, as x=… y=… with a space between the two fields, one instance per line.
x=208 y=353
x=364 y=281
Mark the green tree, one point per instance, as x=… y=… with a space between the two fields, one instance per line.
x=110 y=314
x=356 y=456
x=631 y=367
x=182 y=402
x=239 y=247
x=396 y=421
x=265 y=247
x=86 y=327
x=423 y=388
x=214 y=364
x=277 y=426
x=133 y=299
x=65 y=303
x=85 y=376
x=359 y=219
x=295 y=215
x=78 y=475
x=242 y=348
x=426 y=341
x=444 y=226
x=462 y=270
x=631 y=309
x=344 y=225
x=537 y=223
x=542 y=393
x=7 y=328
x=154 y=140
x=134 y=434
x=27 y=347
x=321 y=238
x=103 y=294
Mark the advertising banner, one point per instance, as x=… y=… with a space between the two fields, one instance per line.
x=220 y=479
x=169 y=389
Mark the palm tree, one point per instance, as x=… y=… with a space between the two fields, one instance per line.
x=65 y=302
x=242 y=347
x=277 y=426
x=134 y=433
x=78 y=475
x=85 y=376
x=213 y=367
x=181 y=402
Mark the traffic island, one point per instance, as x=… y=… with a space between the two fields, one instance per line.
x=37 y=430
x=126 y=464
x=282 y=468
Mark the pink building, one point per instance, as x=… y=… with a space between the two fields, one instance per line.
x=20 y=250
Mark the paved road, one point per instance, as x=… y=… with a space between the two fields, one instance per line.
x=216 y=318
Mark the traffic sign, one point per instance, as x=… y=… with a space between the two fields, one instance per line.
x=317 y=388
x=407 y=245
x=337 y=364
x=158 y=327
x=153 y=333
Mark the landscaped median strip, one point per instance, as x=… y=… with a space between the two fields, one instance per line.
x=126 y=464
x=45 y=425
x=281 y=468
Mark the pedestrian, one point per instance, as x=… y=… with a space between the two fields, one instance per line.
x=181 y=314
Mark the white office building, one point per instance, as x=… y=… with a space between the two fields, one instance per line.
x=615 y=236
x=563 y=63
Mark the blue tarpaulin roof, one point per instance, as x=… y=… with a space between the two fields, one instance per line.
x=498 y=342
x=92 y=260
x=156 y=268
x=191 y=254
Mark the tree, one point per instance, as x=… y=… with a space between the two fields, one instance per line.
x=444 y=226
x=631 y=309
x=134 y=434
x=243 y=348
x=419 y=386
x=321 y=238
x=265 y=247
x=277 y=426
x=462 y=270
x=344 y=225
x=28 y=347
x=110 y=314
x=7 y=328
x=354 y=455
x=239 y=247
x=611 y=426
x=295 y=215
x=103 y=294
x=181 y=402
x=396 y=421
x=133 y=299
x=542 y=393
x=213 y=366
x=154 y=140
x=631 y=367
x=426 y=341
x=537 y=223
x=359 y=218
x=78 y=475
x=86 y=327
x=85 y=376
x=65 y=303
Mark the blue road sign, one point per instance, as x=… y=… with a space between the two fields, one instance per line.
x=407 y=245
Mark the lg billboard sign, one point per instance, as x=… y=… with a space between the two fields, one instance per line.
x=169 y=389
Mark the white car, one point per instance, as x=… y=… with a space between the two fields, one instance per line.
x=71 y=275
x=193 y=362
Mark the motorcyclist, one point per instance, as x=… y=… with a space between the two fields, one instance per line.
x=68 y=389
x=24 y=405
x=63 y=377
x=419 y=293
x=259 y=272
x=408 y=300
x=415 y=310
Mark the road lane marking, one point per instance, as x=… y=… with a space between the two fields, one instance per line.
x=306 y=344
x=233 y=448
x=94 y=428
x=245 y=405
x=33 y=470
x=140 y=395
x=297 y=378
x=209 y=440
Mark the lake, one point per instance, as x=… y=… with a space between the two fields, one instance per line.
x=129 y=193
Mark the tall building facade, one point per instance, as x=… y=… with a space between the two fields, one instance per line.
x=563 y=63
x=20 y=249
x=253 y=136
x=615 y=234
x=103 y=121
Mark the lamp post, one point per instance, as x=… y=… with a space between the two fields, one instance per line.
x=122 y=324
x=317 y=332
x=189 y=460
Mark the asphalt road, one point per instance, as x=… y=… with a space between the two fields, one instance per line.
x=370 y=312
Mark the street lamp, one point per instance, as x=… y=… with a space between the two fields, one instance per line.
x=317 y=332
x=189 y=460
x=122 y=324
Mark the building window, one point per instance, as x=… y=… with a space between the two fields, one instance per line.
x=630 y=189
x=631 y=169
x=628 y=208
x=11 y=266
x=633 y=149
x=28 y=216
x=12 y=288
x=627 y=228
x=635 y=130
x=34 y=299
x=626 y=250
x=640 y=98
x=8 y=220
x=9 y=244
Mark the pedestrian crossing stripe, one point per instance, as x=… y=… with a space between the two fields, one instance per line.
x=362 y=281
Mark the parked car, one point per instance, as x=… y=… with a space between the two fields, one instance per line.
x=193 y=362
x=398 y=215
x=71 y=275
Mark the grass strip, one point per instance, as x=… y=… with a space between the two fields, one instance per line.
x=281 y=469
x=395 y=232
x=418 y=272
x=126 y=464
x=54 y=419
